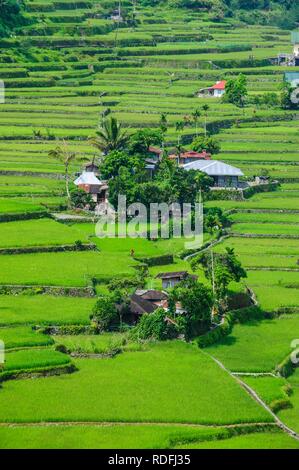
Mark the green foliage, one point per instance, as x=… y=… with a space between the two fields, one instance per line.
x=284 y=14
x=140 y=141
x=110 y=136
x=214 y=220
x=155 y=326
x=80 y=199
x=221 y=270
x=266 y=100
x=236 y=90
x=117 y=159
x=286 y=367
x=210 y=144
x=10 y=16
x=196 y=300
x=104 y=313
x=157 y=260
x=215 y=335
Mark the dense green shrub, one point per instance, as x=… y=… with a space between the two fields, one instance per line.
x=157 y=260
x=10 y=16
x=286 y=367
x=155 y=326
x=245 y=314
x=80 y=199
x=215 y=335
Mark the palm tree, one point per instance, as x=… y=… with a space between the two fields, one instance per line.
x=63 y=154
x=110 y=136
x=179 y=150
x=205 y=109
x=179 y=126
x=196 y=115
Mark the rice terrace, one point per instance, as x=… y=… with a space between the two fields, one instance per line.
x=144 y=341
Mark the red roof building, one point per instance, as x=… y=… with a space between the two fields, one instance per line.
x=190 y=156
x=215 y=91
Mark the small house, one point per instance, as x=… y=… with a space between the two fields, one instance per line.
x=89 y=182
x=171 y=279
x=224 y=175
x=190 y=156
x=155 y=153
x=156 y=297
x=215 y=91
x=148 y=301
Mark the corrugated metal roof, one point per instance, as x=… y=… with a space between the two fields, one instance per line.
x=87 y=177
x=214 y=168
x=219 y=85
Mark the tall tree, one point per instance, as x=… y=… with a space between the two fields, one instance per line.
x=140 y=141
x=110 y=136
x=220 y=269
x=205 y=108
x=236 y=90
x=210 y=144
x=64 y=155
x=10 y=16
x=196 y=115
x=197 y=301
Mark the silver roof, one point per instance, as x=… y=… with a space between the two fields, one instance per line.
x=87 y=177
x=214 y=168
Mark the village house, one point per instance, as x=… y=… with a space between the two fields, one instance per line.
x=190 y=156
x=171 y=279
x=155 y=153
x=215 y=91
x=224 y=175
x=89 y=182
x=289 y=59
x=152 y=159
x=148 y=301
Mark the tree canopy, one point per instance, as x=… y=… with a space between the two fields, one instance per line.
x=10 y=16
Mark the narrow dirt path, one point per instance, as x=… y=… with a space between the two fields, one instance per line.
x=128 y=423
x=256 y=397
x=210 y=245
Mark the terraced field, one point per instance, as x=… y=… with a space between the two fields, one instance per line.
x=63 y=73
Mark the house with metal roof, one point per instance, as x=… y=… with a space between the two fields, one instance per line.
x=171 y=279
x=215 y=91
x=290 y=59
x=190 y=156
x=224 y=175
x=89 y=182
